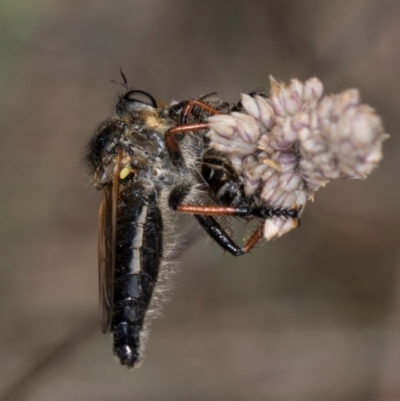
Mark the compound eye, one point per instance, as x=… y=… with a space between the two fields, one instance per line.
x=140 y=97
x=135 y=100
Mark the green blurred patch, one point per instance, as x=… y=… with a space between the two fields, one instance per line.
x=19 y=21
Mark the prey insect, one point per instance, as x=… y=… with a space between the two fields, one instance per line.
x=150 y=161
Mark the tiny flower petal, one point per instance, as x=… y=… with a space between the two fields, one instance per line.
x=276 y=227
x=313 y=90
x=250 y=104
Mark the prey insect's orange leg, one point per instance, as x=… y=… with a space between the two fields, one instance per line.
x=212 y=210
x=252 y=241
x=170 y=141
x=217 y=231
x=187 y=110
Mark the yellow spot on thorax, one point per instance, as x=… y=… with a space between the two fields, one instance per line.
x=124 y=173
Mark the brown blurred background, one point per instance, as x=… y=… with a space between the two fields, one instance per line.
x=312 y=316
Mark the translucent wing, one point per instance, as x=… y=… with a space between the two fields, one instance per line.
x=107 y=245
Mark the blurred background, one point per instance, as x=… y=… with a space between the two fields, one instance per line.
x=312 y=316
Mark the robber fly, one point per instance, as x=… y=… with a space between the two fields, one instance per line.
x=151 y=160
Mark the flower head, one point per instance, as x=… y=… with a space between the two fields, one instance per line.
x=286 y=147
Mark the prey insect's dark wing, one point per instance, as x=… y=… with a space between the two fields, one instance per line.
x=107 y=245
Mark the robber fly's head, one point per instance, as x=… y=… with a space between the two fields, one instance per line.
x=139 y=107
x=136 y=131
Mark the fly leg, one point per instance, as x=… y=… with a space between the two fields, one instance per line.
x=185 y=127
x=204 y=215
x=188 y=109
x=219 y=235
x=172 y=144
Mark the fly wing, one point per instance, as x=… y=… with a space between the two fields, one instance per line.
x=107 y=246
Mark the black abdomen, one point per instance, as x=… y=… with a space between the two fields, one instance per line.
x=221 y=177
x=138 y=257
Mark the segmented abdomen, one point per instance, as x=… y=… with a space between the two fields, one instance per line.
x=138 y=257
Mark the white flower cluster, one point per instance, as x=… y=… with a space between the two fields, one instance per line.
x=289 y=145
